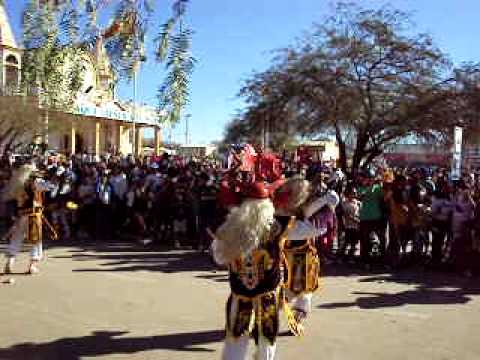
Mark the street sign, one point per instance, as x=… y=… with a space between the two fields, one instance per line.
x=457 y=153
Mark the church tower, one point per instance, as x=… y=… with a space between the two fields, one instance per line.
x=10 y=56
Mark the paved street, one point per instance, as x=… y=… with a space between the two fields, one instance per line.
x=122 y=302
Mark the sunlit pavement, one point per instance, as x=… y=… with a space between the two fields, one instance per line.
x=127 y=302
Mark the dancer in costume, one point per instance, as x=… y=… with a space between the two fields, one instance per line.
x=250 y=242
x=253 y=242
x=301 y=257
x=27 y=193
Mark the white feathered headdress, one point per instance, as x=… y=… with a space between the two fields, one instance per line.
x=245 y=229
x=16 y=185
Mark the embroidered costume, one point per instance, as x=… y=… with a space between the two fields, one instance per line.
x=28 y=195
x=268 y=246
x=301 y=258
x=250 y=242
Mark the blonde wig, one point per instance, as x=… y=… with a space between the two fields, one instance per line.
x=245 y=229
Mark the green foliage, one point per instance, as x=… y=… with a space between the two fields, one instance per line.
x=164 y=39
x=52 y=63
x=173 y=93
x=174 y=49
x=468 y=92
x=127 y=49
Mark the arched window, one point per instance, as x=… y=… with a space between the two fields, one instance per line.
x=11 y=60
x=12 y=72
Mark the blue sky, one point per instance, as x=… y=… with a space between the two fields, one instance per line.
x=233 y=38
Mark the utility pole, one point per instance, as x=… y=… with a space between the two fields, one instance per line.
x=134 y=108
x=265 y=135
x=170 y=134
x=187 y=134
x=136 y=73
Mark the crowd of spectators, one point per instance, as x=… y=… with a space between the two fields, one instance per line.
x=413 y=217
x=165 y=200
x=386 y=217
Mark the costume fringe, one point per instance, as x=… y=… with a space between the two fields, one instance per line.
x=295 y=327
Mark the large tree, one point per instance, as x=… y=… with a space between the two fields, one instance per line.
x=360 y=76
x=468 y=104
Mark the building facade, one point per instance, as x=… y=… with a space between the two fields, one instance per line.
x=10 y=56
x=98 y=122
x=324 y=150
x=193 y=150
x=416 y=154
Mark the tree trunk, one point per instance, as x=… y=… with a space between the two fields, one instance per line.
x=371 y=156
x=358 y=154
x=5 y=136
x=9 y=145
x=46 y=120
x=342 y=150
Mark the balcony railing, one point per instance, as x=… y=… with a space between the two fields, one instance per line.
x=10 y=91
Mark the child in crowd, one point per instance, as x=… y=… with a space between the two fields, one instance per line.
x=351 y=222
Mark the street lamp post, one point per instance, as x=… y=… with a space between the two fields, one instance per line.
x=136 y=73
x=187 y=135
x=134 y=108
x=266 y=140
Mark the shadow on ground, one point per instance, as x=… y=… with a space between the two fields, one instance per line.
x=111 y=343
x=217 y=277
x=172 y=262
x=429 y=289
x=125 y=257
